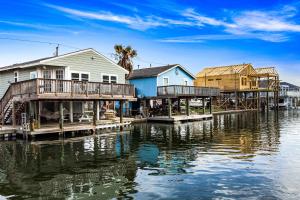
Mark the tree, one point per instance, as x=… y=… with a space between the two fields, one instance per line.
x=124 y=56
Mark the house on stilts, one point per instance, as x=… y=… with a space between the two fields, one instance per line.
x=240 y=86
x=164 y=93
x=51 y=94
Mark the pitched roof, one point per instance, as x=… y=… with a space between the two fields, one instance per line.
x=43 y=60
x=266 y=71
x=149 y=72
x=222 y=70
x=18 y=65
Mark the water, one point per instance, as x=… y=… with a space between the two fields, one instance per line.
x=238 y=156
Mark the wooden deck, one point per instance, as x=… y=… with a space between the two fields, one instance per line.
x=175 y=91
x=52 y=89
x=179 y=118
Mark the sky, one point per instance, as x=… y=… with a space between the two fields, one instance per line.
x=195 y=34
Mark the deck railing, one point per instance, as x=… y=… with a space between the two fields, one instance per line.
x=181 y=90
x=64 y=88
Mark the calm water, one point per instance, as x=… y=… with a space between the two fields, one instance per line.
x=242 y=156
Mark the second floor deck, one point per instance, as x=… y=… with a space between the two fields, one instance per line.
x=53 y=89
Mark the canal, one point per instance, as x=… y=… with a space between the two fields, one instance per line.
x=236 y=156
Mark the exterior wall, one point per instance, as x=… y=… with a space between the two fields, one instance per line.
x=7 y=77
x=89 y=62
x=225 y=82
x=145 y=87
x=229 y=81
x=175 y=79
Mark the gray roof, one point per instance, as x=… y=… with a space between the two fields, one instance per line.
x=17 y=65
x=149 y=72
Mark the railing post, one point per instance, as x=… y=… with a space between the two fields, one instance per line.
x=99 y=89
x=37 y=87
x=55 y=87
x=87 y=91
x=111 y=89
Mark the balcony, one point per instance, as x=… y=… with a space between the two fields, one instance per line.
x=52 y=89
x=186 y=91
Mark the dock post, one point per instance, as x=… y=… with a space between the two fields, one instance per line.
x=187 y=104
x=210 y=105
x=121 y=111
x=203 y=105
x=258 y=101
x=169 y=107
x=178 y=105
x=14 y=114
x=267 y=99
x=61 y=116
x=97 y=110
x=31 y=115
x=71 y=114
x=38 y=114
x=236 y=100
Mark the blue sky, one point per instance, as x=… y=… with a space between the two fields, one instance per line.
x=195 y=34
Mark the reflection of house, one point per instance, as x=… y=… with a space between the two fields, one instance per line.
x=72 y=78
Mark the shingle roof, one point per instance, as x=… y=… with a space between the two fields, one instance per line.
x=17 y=65
x=149 y=72
x=222 y=70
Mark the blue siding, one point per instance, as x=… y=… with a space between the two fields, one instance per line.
x=176 y=79
x=145 y=87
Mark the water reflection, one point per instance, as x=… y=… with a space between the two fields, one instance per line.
x=232 y=156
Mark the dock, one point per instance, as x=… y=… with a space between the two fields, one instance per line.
x=179 y=118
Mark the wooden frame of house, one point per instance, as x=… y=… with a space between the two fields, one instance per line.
x=241 y=81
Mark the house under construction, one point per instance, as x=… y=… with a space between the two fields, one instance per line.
x=241 y=86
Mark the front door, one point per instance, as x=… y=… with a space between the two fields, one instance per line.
x=47 y=80
x=59 y=73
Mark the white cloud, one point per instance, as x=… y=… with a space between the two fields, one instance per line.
x=272 y=25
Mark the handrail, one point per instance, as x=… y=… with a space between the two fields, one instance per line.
x=184 y=90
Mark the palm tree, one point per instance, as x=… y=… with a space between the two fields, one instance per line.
x=124 y=56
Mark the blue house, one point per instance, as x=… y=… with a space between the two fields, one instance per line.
x=147 y=80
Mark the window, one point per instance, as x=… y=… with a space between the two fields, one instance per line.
x=84 y=77
x=16 y=76
x=109 y=78
x=47 y=74
x=244 y=81
x=210 y=79
x=113 y=79
x=105 y=79
x=75 y=76
x=33 y=75
x=185 y=82
x=59 y=74
x=218 y=79
x=166 y=81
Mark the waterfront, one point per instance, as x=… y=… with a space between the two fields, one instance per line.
x=238 y=156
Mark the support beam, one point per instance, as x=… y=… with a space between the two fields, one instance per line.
x=121 y=111
x=236 y=100
x=267 y=99
x=258 y=101
x=170 y=108
x=38 y=105
x=13 y=116
x=178 y=105
x=210 y=105
x=71 y=114
x=187 y=104
x=31 y=115
x=97 y=110
x=203 y=105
